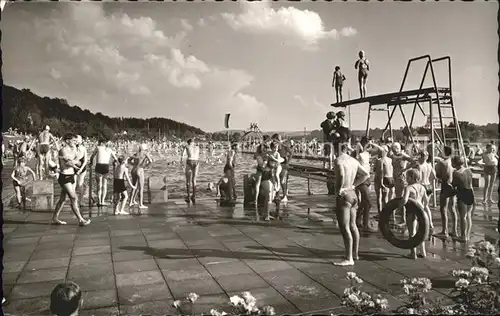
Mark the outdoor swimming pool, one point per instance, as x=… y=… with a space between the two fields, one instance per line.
x=212 y=171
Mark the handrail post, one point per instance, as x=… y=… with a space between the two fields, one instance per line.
x=113 y=185
x=149 y=190
x=309 y=184
x=90 y=186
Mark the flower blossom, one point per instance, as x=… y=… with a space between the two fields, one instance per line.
x=268 y=310
x=192 y=297
x=351 y=275
x=176 y=304
x=354 y=299
x=215 y=312
x=497 y=261
x=358 y=280
x=461 y=274
x=236 y=300
x=462 y=283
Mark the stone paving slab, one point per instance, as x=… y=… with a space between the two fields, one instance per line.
x=128 y=265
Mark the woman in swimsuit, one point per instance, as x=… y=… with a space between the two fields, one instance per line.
x=462 y=182
x=20 y=178
x=490 y=159
x=267 y=187
x=363 y=66
x=139 y=161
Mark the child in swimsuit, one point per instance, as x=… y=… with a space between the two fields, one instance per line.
x=224 y=187
x=338 y=82
x=20 y=178
x=119 y=188
x=462 y=182
x=415 y=190
x=384 y=180
x=427 y=176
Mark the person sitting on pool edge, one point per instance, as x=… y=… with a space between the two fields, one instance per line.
x=224 y=188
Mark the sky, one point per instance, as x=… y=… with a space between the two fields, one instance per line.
x=269 y=63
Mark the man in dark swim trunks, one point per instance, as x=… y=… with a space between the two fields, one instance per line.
x=68 y=162
x=45 y=139
x=349 y=174
x=191 y=168
x=103 y=155
x=363 y=66
x=444 y=172
x=328 y=128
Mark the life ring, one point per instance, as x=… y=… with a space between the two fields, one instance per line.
x=423 y=224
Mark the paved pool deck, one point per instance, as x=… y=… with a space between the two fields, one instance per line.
x=140 y=264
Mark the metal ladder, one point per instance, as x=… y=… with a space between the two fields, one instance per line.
x=447 y=113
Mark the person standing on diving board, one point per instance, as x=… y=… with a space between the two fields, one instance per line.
x=363 y=66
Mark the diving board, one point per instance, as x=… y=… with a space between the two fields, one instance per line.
x=395 y=98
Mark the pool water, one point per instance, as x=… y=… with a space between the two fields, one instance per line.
x=212 y=171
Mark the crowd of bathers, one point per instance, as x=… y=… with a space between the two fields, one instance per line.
x=396 y=173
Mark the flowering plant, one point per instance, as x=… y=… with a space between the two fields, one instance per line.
x=245 y=304
x=362 y=302
x=477 y=289
x=415 y=289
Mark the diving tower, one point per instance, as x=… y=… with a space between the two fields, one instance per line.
x=437 y=100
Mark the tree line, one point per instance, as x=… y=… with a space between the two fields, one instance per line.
x=28 y=112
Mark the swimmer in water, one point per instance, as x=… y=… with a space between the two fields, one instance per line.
x=462 y=182
x=414 y=190
x=140 y=160
x=349 y=174
x=363 y=67
x=192 y=150
x=490 y=159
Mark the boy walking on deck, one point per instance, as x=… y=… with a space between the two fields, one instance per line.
x=119 y=188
